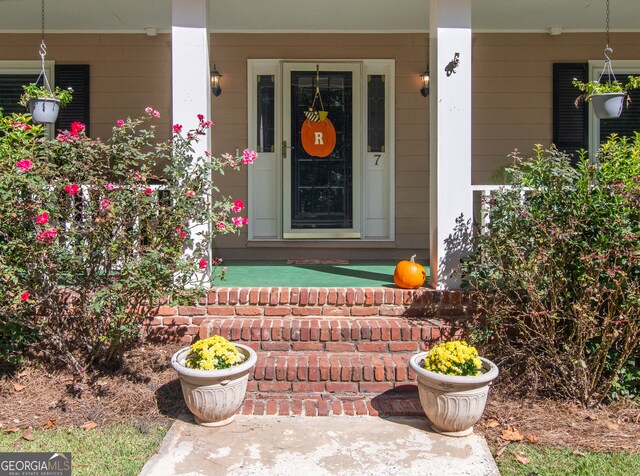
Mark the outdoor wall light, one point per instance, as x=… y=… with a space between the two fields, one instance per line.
x=425 y=82
x=215 y=82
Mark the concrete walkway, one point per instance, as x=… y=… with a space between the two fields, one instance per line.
x=308 y=446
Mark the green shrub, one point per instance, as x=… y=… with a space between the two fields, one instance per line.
x=558 y=273
x=88 y=248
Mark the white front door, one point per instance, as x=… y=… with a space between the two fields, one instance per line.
x=321 y=183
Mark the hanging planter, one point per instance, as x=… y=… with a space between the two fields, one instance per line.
x=608 y=105
x=43 y=102
x=607 y=97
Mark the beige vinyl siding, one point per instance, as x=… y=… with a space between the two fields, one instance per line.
x=230 y=53
x=128 y=72
x=513 y=91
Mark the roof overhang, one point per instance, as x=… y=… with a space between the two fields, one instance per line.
x=353 y=16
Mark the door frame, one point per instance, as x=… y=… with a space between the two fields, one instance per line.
x=264 y=178
x=356 y=179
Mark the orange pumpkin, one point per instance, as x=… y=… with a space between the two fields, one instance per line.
x=318 y=138
x=409 y=274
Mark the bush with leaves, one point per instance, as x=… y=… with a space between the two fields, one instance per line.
x=88 y=248
x=557 y=273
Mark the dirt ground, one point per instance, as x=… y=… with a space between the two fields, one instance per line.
x=147 y=389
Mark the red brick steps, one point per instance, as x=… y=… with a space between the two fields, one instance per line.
x=323 y=351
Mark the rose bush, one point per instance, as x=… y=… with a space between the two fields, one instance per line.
x=92 y=240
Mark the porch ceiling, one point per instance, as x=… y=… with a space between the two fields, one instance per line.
x=316 y=15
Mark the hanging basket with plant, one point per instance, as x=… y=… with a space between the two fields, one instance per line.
x=42 y=101
x=607 y=97
x=44 y=104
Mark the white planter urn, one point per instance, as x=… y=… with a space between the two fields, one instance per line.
x=453 y=404
x=44 y=110
x=607 y=105
x=214 y=396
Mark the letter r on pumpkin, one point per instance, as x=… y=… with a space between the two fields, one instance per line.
x=319 y=139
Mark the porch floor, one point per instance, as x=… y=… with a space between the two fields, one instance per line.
x=310 y=273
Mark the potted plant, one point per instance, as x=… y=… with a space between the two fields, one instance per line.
x=44 y=104
x=453 y=382
x=213 y=374
x=607 y=98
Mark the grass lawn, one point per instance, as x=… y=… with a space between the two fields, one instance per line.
x=118 y=450
x=563 y=462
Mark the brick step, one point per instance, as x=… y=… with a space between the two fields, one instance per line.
x=373 y=334
x=332 y=372
x=388 y=404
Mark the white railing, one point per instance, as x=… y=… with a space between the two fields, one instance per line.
x=481 y=196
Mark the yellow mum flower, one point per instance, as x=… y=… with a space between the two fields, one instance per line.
x=213 y=353
x=453 y=358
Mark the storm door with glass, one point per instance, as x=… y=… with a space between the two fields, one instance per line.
x=321 y=171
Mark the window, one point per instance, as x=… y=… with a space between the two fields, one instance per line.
x=578 y=128
x=13 y=74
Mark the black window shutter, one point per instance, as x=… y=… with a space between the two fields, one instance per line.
x=75 y=76
x=570 y=124
x=11 y=90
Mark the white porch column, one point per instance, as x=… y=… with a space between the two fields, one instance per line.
x=449 y=136
x=190 y=72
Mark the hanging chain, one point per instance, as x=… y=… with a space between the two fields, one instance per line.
x=607 y=69
x=608 y=17
x=43 y=50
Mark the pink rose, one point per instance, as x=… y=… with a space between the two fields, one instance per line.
x=24 y=165
x=109 y=186
x=148 y=191
x=239 y=221
x=221 y=225
x=72 y=189
x=77 y=128
x=105 y=204
x=217 y=261
x=237 y=206
x=136 y=176
x=120 y=123
x=202 y=264
x=190 y=193
x=177 y=128
x=42 y=219
x=25 y=295
x=63 y=137
x=200 y=117
x=148 y=110
x=48 y=236
x=248 y=156
x=20 y=125
x=181 y=232
x=156 y=113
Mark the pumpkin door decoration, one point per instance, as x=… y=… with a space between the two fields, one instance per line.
x=409 y=274
x=317 y=134
x=318 y=137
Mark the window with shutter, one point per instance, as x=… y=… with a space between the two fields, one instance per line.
x=75 y=76
x=11 y=90
x=578 y=128
x=570 y=124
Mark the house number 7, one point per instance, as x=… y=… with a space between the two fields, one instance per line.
x=377 y=157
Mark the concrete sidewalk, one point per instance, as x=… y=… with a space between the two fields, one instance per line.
x=310 y=446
